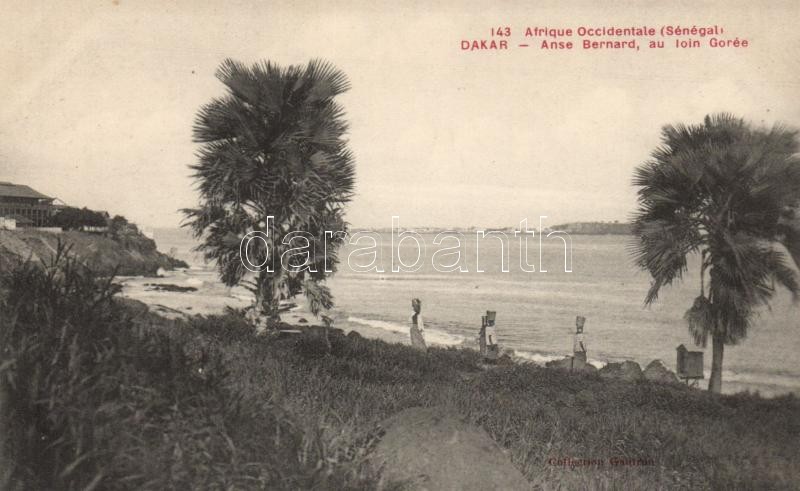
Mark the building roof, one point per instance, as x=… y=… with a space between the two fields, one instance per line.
x=10 y=190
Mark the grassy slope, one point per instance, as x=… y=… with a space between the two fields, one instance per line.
x=695 y=440
x=128 y=400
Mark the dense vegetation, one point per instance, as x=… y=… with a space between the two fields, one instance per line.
x=114 y=246
x=98 y=393
x=70 y=218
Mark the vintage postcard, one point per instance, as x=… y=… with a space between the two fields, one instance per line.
x=399 y=245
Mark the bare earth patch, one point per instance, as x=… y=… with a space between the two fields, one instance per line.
x=433 y=448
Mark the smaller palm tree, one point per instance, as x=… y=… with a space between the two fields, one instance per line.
x=727 y=192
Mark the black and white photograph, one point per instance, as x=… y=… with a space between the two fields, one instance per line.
x=368 y=245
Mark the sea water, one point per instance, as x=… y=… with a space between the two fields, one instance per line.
x=536 y=311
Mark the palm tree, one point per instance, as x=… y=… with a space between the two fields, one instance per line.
x=273 y=145
x=727 y=192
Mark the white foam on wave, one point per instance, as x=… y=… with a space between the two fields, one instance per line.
x=542 y=359
x=598 y=364
x=441 y=338
x=537 y=358
x=378 y=324
x=770 y=379
x=432 y=336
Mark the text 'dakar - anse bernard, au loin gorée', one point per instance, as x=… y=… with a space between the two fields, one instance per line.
x=604 y=37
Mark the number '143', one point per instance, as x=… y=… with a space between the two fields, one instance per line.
x=501 y=31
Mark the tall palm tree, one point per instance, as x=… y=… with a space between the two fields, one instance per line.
x=727 y=192
x=273 y=145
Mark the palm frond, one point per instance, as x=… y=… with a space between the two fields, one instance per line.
x=730 y=190
x=318 y=295
x=700 y=320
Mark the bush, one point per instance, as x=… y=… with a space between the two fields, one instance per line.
x=70 y=218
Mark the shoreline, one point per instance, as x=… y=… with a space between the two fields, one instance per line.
x=211 y=298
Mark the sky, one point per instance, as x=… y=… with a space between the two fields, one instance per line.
x=99 y=99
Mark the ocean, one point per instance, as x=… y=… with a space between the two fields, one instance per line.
x=536 y=310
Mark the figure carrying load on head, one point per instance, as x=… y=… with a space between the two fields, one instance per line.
x=417 y=326
x=492 y=348
x=579 y=344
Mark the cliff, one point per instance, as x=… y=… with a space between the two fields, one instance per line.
x=132 y=254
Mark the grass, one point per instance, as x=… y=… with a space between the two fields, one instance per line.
x=101 y=394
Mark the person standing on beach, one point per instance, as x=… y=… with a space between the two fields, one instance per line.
x=579 y=344
x=492 y=348
x=417 y=326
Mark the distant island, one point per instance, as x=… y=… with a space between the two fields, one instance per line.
x=595 y=228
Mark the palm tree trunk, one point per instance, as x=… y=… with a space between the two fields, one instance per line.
x=5 y=461
x=267 y=293
x=717 y=350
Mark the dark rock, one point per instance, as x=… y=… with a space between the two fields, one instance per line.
x=578 y=362
x=286 y=306
x=169 y=287
x=589 y=368
x=282 y=326
x=434 y=448
x=302 y=320
x=659 y=372
x=354 y=335
x=564 y=363
x=627 y=370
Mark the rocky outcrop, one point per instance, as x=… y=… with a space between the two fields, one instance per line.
x=627 y=370
x=353 y=335
x=433 y=448
x=573 y=364
x=131 y=255
x=658 y=372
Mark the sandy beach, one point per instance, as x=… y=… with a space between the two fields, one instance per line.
x=203 y=294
